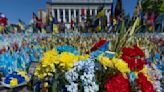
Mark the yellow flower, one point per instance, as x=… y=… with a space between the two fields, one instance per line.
x=41 y=72
x=106 y=62
x=13 y=82
x=121 y=65
x=45 y=84
x=66 y=60
x=84 y=57
x=26 y=78
x=136 y=74
x=145 y=72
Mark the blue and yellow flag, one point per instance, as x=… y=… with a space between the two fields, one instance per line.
x=98 y=28
x=55 y=28
x=100 y=14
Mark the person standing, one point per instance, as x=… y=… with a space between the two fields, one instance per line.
x=152 y=21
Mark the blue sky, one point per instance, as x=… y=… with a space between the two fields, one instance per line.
x=22 y=9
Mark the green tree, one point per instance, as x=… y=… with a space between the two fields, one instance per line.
x=152 y=5
x=162 y=8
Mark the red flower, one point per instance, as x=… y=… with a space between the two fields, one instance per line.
x=130 y=56
x=144 y=84
x=117 y=84
x=140 y=64
x=129 y=52
x=138 y=51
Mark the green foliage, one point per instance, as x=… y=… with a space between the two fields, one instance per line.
x=162 y=8
x=152 y=5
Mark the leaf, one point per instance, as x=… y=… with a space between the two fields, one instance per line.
x=136 y=23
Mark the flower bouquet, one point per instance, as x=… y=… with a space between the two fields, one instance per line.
x=16 y=79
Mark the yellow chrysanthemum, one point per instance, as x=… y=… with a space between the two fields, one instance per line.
x=13 y=82
x=121 y=65
x=84 y=57
x=49 y=57
x=106 y=62
x=46 y=66
x=41 y=72
x=66 y=60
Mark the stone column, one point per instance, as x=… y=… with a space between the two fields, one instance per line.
x=69 y=14
x=64 y=19
x=85 y=13
x=74 y=13
x=58 y=14
x=53 y=14
x=95 y=11
x=90 y=11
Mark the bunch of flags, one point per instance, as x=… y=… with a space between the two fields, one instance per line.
x=97 y=24
x=21 y=24
x=3 y=22
x=38 y=23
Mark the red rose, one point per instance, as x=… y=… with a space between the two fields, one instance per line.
x=129 y=52
x=140 y=64
x=144 y=84
x=117 y=84
x=138 y=51
x=130 y=56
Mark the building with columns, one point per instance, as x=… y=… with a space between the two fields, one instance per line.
x=67 y=10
